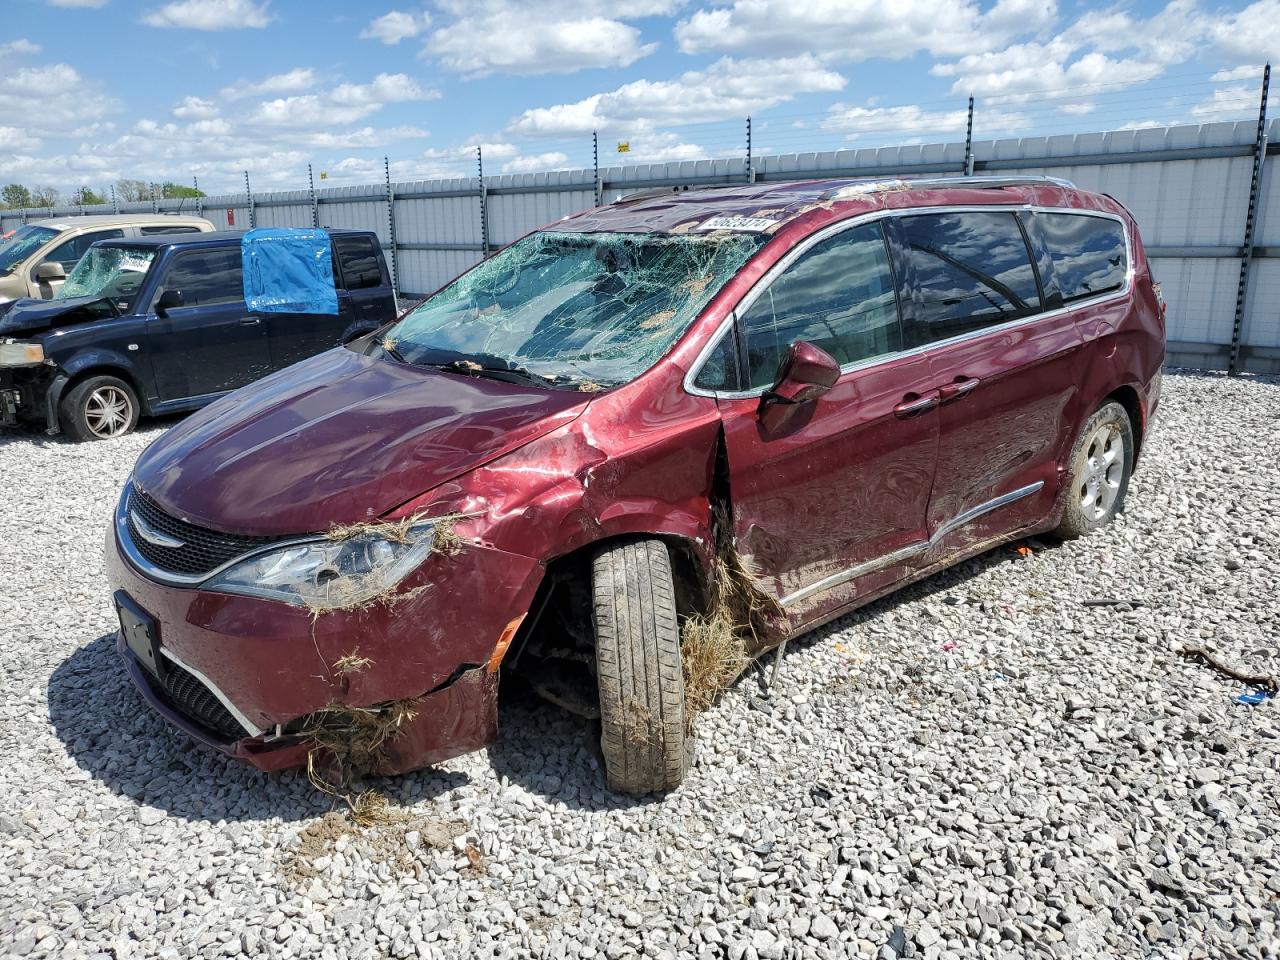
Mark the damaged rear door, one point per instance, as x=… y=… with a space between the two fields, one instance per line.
x=829 y=496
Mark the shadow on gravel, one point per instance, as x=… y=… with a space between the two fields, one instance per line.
x=113 y=736
x=30 y=437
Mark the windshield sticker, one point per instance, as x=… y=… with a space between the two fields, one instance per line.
x=136 y=264
x=748 y=224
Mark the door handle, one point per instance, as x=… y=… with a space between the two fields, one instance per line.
x=912 y=407
x=960 y=388
x=250 y=321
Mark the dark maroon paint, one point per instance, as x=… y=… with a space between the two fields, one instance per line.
x=876 y=463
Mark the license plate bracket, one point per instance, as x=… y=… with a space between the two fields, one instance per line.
x=141 y=634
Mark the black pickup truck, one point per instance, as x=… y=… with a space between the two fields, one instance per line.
x=162 y=324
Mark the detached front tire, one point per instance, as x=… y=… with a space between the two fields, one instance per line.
x=99 y=408
x=638 y=669
x=1098 y=472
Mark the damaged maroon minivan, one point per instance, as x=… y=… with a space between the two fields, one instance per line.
x=717 y=417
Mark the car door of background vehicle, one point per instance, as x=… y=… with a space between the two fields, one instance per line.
x=364 y=281
x=68 y=253
x=1004 y=366
x=211 y=343
x=827 y=494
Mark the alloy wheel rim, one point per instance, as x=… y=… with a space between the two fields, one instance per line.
x=1099 y=487
x=108 y=412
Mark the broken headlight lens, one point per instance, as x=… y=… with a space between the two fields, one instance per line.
x=15 y=353
x=329 y=574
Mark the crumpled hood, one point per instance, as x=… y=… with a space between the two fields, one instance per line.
x=31 y=316
x=338 y=438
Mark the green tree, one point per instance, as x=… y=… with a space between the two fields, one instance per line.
x=177 y=191
x=15 y=195
x=87 y=196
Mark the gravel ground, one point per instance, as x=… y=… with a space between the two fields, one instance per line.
x=980 y=766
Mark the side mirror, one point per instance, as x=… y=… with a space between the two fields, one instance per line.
x=807 y=373
x=169 y=300
x=51 y=270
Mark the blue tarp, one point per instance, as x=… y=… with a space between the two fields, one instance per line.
x=288 y=271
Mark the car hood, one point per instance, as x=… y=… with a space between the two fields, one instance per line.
x=31 y=316
x=338 y=438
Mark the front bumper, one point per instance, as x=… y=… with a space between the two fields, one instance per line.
x=274 y=666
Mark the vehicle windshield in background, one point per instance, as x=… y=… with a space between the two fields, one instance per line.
x=114 y=273
x=591 y=308
x=25 y=241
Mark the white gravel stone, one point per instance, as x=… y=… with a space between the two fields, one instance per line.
x=1059 y=783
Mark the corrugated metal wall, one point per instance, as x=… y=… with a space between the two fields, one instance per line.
x=1188 y=187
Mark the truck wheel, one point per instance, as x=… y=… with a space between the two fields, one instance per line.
x=638 y=668
x=1097 y=475
x=99 y=408
x=354 y=331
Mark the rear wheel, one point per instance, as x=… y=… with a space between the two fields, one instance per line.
x=638 y=670
x=355 y=331
x=99 y=408
x=1098 y=473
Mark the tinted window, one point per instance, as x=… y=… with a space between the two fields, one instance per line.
x=838 y=296
x=68 y=254
x=969 y=270
x=153 y=231
x=359 y=262
x=720 y=369
x=1088 y=253
x=204 y=277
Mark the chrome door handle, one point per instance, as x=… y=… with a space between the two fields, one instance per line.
x=910 y=408
x=250 y=321
x=954 y=391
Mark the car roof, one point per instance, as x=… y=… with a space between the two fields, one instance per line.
x=767 y=207
x=117 y=220
x=206 y=239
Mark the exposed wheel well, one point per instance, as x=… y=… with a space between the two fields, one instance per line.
x=1128 y=398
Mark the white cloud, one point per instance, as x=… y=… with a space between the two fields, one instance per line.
x=292 y=81
x=19 y=48
x=535 y=162
x=1248 y=72
x=910 y=122
x=384 y=88
x=11 y=138
x=391 y=28
x=195 y=108
x=1228 y=103
x=1253 y=34
x=345 y=103
x=78 y=3
x=726 y=88
x=1022 y=72
x=64 y=97
x=210 y=15
x=537 y=36
x=852 y=30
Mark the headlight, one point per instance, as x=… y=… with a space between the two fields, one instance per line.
x=329 y=574
x=15 y=353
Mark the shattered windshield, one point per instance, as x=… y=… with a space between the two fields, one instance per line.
x=112 y=272
x=24 y=242
x=588 y=309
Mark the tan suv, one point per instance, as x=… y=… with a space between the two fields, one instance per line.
x=38 y=257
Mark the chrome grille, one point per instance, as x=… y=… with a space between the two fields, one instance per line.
x=202 y=550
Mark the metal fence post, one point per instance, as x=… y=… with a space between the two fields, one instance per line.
x=1246 y=248
x=155 y=201
x=195 y=185
x=595 y=165
x=484 y=204
x=391 y=228
x=311 y=187
x=115 y=204
x=751 y=170
x=248 y=195
x=968 y=142
x=24 y=215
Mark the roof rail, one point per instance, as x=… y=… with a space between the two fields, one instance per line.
x=878 y=185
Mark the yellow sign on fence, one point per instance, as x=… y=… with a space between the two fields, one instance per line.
x=624 y=146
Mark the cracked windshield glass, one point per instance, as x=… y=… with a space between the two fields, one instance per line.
x=26 y=241
x=589 y=310
x=114 y=273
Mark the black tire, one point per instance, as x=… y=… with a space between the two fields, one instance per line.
x=355 y=331
x=638 y=670
x=83 y=410
x=1096 y=487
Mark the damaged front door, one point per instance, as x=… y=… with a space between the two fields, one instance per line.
x=830 y=495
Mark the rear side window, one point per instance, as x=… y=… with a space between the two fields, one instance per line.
x=838 y=295
x=358 y=261
x=969 y=271
x=1088 y=253
x=68 y=254
x=205 y=277
x=154 y=231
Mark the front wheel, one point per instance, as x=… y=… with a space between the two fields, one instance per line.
x=1098 y=473
x=638 y=669
x=99 y=408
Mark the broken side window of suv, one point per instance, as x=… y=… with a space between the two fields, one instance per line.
x=109 y=273
x=595 y=309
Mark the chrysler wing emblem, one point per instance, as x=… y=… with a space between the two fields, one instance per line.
x=152 y=535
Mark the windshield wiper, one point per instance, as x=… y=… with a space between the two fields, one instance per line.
x=503 y=370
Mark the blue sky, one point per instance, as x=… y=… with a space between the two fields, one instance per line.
x=95 y=90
